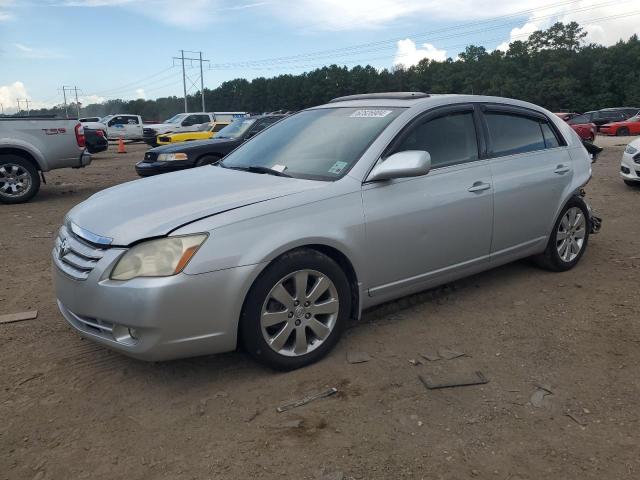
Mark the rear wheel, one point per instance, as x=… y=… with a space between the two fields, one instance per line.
x=569 y=238
x=208 y=160
x=296 y=310
x=622 y=132
x=19 y=180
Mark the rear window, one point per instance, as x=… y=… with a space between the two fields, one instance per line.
x=579 y=119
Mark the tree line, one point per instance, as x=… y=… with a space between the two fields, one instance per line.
x=554 y=68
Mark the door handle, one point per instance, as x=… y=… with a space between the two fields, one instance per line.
x=479 y=187
x=562 y=169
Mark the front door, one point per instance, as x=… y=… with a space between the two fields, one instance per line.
x=421 y=230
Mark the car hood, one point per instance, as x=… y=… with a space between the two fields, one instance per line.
x=155 y=206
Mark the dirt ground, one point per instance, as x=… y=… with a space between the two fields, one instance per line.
x=71 y=409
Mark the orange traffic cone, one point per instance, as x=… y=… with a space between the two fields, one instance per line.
x=121 y=148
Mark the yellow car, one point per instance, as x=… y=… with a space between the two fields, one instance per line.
x=206 y=131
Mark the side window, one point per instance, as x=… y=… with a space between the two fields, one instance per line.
x=203 y=118
x=550 y=138
x=579 y=119
x=190 y=121
x=132 y=120
x=449 y=139
x=116 y=121
x=513 y=134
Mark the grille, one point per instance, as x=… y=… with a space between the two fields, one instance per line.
x=164 y=139
x=149 y=132
x=73 y=256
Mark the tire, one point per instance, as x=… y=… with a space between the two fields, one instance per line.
x=19 y=179
x=552 y=259
x=632 y=183
x=622 y=132
x=208 y=160
x=276 y=344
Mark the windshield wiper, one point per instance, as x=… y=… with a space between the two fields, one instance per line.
x=258 y=169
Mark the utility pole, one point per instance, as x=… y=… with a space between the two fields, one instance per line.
x=2 y=108
x=64 y=94
x=25 y=100
x=18 y=112
x=182 y=59
x=75 y=89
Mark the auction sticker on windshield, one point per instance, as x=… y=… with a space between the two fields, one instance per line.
x=370 y=113
x=337 y=167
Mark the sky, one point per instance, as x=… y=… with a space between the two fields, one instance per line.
x=124 y=48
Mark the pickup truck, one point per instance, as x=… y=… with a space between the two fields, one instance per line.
x=185 y=122
x=127 y=126
x=30 y=146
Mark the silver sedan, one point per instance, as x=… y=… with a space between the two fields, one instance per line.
x=328 y=212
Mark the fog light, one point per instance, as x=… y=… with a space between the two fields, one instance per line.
x=124 y=335
x=133 y=333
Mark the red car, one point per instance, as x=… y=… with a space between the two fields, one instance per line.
x=581 y=124
x=630 y=126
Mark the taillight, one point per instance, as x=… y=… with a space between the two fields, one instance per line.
x=80 y=135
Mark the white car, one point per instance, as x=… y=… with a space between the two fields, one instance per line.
x=630 y=165
x=129 y=127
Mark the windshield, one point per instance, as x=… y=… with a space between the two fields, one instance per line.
x=175 y=118
x=105 y=119
x=235 y=128
x=320 y=144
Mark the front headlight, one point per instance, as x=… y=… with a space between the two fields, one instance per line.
x=168 y=157
x=158 y=258
x=630 y=150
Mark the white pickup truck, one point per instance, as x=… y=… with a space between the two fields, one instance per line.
x=30 y=146
x=186 y=122
x=127 y=126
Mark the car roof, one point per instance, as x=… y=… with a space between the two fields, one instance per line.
x=409 y=100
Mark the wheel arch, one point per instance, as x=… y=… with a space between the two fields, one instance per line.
x=23 y=154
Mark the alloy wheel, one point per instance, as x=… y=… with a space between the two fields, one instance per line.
x=571 y=234
x=15 y=180
x=299 y=313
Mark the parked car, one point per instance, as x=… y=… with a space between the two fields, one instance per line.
x=332 y=210
x=630 y=165
x=127 y=127
x=170 y=158
x=205 y=132
x=30 y=146
x=95 y=141
x=186 y=122
x=580 y=124
x=600 y=117
x=89 y=119
x=630 y=126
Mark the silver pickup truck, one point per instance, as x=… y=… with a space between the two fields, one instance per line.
x=30 y=146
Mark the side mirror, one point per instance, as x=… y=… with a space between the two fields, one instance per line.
x=410 y=163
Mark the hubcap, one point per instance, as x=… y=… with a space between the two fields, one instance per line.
x=299 y=313
x=571 y=234
x=14 y=180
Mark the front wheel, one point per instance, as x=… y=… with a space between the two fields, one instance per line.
x=19 y=180
x=296 y=310
x=569 y=238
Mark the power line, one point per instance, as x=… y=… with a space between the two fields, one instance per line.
x=182 y=59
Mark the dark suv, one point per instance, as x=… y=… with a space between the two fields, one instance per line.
x=608 y=115
x=169 y=158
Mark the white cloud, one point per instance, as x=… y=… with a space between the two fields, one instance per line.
x=518 y=33
x=4 y=16
x=25 y=51
x=89 y=99
x=9 y=94
x=140 y=93
x=407 y=54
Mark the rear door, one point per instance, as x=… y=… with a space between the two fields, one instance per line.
x=132 y=127
x=419 y=230
x=531 y=170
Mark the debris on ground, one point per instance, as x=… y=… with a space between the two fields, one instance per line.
x=576 y=419
x=304 y=401
x=293 y=423
x=537 y=397
x=450 y=354
x=18 y=317
x=358 y=357
x=477 y=378
x=415 y=362
x=430 y=356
